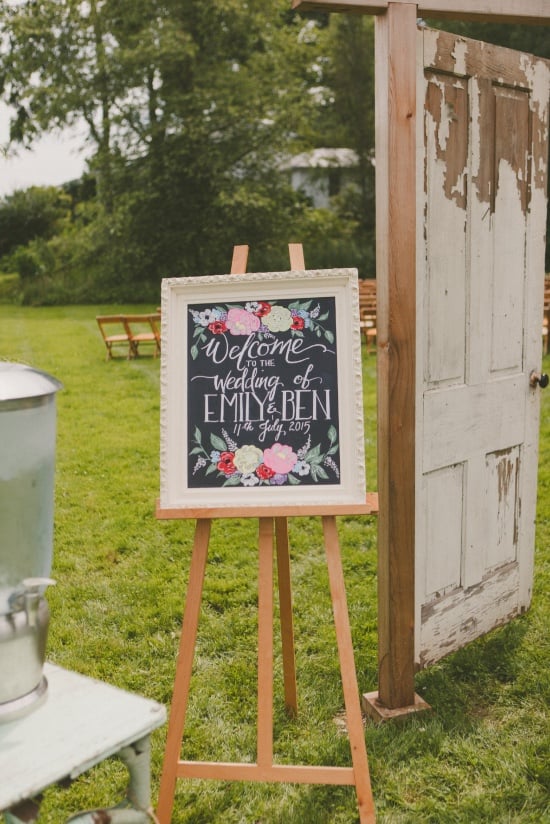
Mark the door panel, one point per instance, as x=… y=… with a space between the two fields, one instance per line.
x=480 y=276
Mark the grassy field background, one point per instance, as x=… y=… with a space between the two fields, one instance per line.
x=483 y=755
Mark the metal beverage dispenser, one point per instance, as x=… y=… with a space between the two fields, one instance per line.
x=27 y=466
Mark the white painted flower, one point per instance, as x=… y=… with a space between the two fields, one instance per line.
x=279 y=319
x=206 y=317
x=247 y=458
x=301 y=468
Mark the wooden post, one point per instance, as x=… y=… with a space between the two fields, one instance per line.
x=395 y=65
x=396 y=270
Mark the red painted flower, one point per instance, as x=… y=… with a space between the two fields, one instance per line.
x=218 y=327
x=297 y=322
x=225 y=464
x=263 y=309
x=264 y=472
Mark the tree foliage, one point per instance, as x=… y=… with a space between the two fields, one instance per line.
x=188 y=108
x=37 y=212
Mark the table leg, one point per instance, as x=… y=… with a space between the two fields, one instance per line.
x=24 y=813
x=136 y=807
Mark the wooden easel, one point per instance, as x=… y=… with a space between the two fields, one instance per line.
x=271 y=522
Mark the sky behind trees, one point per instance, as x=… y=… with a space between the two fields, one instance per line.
x=55 y=159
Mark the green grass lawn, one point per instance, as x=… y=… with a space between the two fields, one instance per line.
x=483 y=755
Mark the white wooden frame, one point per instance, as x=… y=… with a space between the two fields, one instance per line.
x=178 y=295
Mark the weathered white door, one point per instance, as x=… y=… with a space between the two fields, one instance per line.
x=482 y=211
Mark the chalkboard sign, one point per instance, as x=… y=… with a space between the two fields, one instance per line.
x=261 y=390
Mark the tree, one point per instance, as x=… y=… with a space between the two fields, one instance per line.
x=351 y=76
x=189 y=107
x=30 y=214
x=56 y=65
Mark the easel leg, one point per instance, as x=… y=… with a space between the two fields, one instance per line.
x=349 y=677
x=265 y=645
x=287 y=626
x=183 y=671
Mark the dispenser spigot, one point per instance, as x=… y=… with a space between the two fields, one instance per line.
x=34 y=589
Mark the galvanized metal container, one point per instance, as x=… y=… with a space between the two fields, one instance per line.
x=27 y=467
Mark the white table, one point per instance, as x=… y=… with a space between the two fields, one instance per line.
x=81 y=722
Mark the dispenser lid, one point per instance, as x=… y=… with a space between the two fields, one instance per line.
x=22 y=385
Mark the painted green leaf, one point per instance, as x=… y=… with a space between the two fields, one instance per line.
x=232 y=480
x=218 y=443
x=318 y=473
x=314 y=454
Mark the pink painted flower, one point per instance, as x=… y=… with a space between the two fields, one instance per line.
x=281 y=459
x=241 y=322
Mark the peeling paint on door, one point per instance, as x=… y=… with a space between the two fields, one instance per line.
x=479 y=314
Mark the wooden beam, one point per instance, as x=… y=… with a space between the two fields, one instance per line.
x=535 y=12
x=395 y=67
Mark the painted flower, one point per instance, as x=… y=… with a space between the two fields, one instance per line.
x=280 y=458
x=250 y=480
x=278 y=479
x=241 y=322
x=306 y=316
x=247 y=458
x=225 y=464
x=279 y=319
x=217 y=327
x=215 y=456
x=264 y=308
x=206 y=317
x=200 y=462
x=264 y=472
x=301 y=468
x=297 y=322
